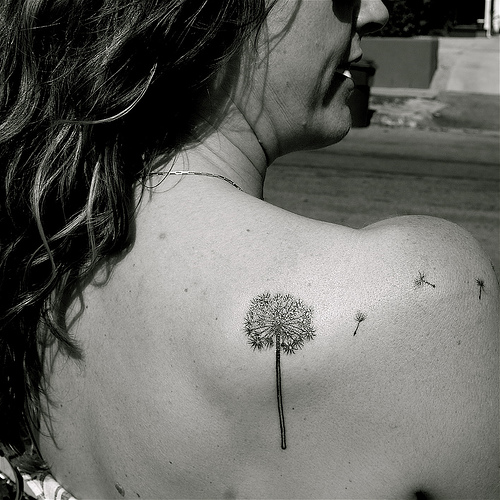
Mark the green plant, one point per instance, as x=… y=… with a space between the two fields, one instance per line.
x=419 y=17
x=402 y=19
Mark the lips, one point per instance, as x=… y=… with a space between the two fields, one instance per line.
x=344 y=68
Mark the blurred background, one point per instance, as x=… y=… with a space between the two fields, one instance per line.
x=440 y=17
x=425 y=140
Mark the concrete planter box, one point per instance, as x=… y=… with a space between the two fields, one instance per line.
x=402 y=62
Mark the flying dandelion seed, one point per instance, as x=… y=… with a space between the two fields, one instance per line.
x=281 y=321
x=420 y=281
x=480 y=284
x=359 y=318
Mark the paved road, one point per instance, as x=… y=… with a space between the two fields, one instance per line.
x=380 y=172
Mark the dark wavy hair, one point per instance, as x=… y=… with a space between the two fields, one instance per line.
x=91 y=91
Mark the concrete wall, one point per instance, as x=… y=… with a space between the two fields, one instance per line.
x=402 y=62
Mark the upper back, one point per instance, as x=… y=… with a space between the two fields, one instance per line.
x=391 y=389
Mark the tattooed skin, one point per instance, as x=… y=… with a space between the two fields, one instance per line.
x=282 y=321
x=480 y=284
x=421 y=280
x=359 y=318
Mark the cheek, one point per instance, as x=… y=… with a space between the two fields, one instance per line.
x=308 y=102
x=311 y=73
x=304 y=77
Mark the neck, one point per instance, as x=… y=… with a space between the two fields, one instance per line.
x=231 y=150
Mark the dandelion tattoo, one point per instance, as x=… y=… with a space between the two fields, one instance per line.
x=359 y=318
x=480 y=284
x=282 y=321
x=420 y=281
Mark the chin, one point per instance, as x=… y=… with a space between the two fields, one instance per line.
x=330 y=135
x=334 y=124
x=332 y=128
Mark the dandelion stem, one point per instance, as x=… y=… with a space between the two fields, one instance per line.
x=279 y=393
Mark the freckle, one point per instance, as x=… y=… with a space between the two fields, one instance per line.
x=162 y=236
x=248 y=230
x=120 y=490
x=185 y=289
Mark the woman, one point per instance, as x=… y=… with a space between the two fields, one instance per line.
x=194 y=341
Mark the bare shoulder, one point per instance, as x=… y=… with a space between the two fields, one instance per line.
x=410 y=260
x=419 y=342
x=436 y=252
x=400 y=380
x=429 y=233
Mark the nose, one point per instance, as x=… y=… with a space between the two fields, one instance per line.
x=372 y=16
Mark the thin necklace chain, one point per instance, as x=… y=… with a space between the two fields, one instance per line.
x=194 y=172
